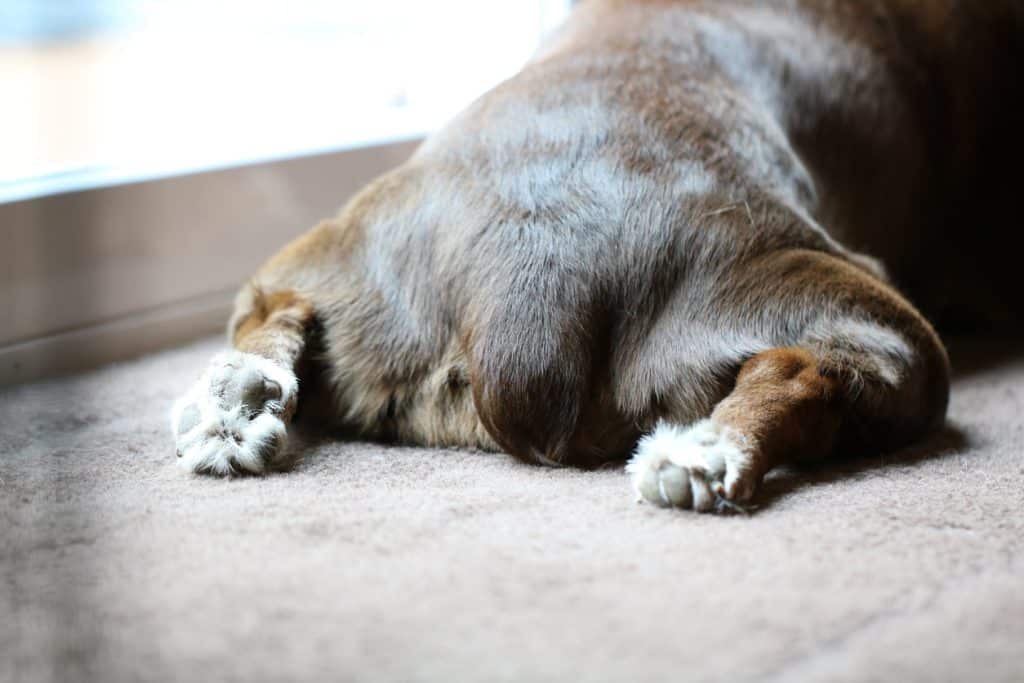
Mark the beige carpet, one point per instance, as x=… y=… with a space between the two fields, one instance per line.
x=372 y=563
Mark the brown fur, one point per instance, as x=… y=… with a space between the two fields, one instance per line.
x=628 y=231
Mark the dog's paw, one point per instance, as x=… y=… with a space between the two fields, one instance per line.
x=232 y=421
x=705 y=467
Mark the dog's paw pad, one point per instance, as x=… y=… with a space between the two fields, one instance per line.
x=232 y=421
x=703 y=467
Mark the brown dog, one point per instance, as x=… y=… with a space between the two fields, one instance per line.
x=642 y=243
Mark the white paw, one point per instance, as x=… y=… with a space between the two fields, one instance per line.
x=233 y=419
x=703 y=467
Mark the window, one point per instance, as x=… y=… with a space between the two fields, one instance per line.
x=106 y=90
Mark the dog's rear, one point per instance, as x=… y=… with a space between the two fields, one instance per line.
x=906 y=116
x=648 y=232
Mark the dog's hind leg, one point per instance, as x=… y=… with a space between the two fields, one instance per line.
x=862 y=371
x=233 y=419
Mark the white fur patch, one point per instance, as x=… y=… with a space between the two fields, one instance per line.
x=880 y=341
x=233 y=419
x=878 y=348
x=692 y=467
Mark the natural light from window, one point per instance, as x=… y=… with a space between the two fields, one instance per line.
x=101 y=91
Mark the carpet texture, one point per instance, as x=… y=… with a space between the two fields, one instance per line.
x=377 y=563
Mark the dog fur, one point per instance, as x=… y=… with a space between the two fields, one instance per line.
x=649 y=241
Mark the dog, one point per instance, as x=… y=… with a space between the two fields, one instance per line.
x=685 y=232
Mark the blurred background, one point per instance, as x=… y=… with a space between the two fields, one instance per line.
x=155 y=152
x=124 y=87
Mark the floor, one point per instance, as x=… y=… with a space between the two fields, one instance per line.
x=376 y=563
